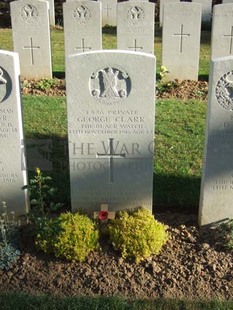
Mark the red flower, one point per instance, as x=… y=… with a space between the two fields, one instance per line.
x=103 y=215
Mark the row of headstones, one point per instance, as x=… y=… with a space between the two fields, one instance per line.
x=135 y=32
x=109 y=10
x=111 y=114
x=82 y=30
x=181 y=36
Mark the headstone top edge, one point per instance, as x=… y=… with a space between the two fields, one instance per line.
x=75 y=2
x=116 y=52
x=182 y=4
x=222 y=5
x=136 y=3
x=31 y=1
x=15 y=58
x=225 y=58
x=218 y=7
x=40 y=2
x=9 y=53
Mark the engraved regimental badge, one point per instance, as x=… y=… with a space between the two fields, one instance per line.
x=29 y=13
x=110 y=84
x=224 y=91
x=3 y=85
x=135 y=15
x=82 y=14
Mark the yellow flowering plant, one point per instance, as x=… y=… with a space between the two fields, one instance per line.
x=42 y=195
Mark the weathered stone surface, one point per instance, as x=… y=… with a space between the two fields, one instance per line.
x=161 y=4
x=31 y=37
x=222 y=31
x=111 y=129
x=51 y=12
x=135 y=26
x=13 y=174
x=82 y=26
x=227 y=1
x=217 y=177
x=109 y=8
x=206 y=10
x=181 y=40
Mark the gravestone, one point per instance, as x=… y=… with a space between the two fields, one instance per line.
x=181 y=40
x=82 y=26
x=31 y=37
x=222 y=31
x=13 y=174
x=227 y=1
x=135 y=26
x=111 y=129
x=51 y=12
x=109 y=8
x=206 y=10
x=161 y=4
x=217 y=176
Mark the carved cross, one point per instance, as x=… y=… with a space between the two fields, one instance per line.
x=135 y=47
x=111 y=156
x=181 y=35
x=32 y=48
x=229 y=36
x=107 y=8
x=83 y=47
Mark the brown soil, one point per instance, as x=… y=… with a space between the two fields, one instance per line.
x=193 y=264
x=179 y=89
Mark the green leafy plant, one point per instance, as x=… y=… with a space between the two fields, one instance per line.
x=45 y=84
x=72 y=236
x=8 y=238
x=42 y=193
x=162 y=86
x=137 y=235
x=226 y=232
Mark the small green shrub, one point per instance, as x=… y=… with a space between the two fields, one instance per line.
x=8 y=256
x=137 y=235
x=226 y=233
x=69 y=235
x=45 y=84
x=9 y=233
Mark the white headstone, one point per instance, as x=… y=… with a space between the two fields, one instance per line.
x=181 y=40
x=217 y=178
x=206 y=10
x=31 y=37
x=227 y=1
x=222 y=31
x=109 y=8
x=161 y=4
x=135 y=26
x=111 y=129
x=51 y=12
x=13 y=174
x=82 y=26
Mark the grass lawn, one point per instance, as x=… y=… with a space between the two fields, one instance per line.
x=27 y=302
